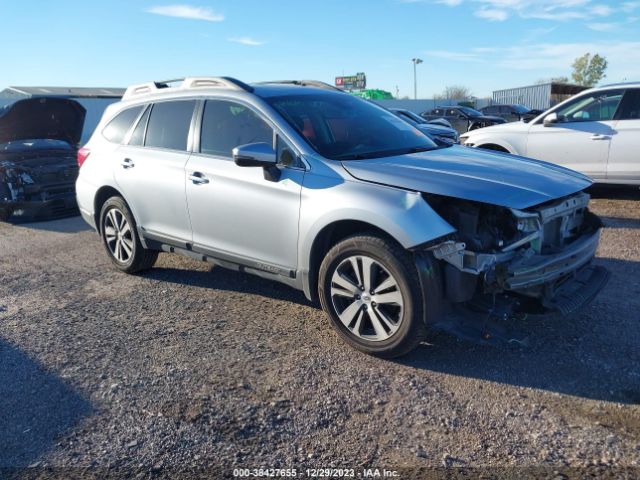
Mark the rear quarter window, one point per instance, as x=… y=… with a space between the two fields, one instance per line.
x=118 y=127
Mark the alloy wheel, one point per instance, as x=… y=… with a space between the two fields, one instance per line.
x=366 y=298
x=118 y=235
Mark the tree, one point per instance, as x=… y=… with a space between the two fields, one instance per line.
x=589 y=70
x=454 y=92
x=552 y=80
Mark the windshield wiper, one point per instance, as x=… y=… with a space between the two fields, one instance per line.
x=419 y=149
x=382 y=153
x=359 y=156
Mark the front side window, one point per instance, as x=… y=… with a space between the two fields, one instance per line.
x=117 y=128
x=630 y=108
x=595 y=107
x=168 y=125
x=226 y=125
x=343 y=127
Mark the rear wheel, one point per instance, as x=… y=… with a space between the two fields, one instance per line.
x=369 y=288
x=120 y=238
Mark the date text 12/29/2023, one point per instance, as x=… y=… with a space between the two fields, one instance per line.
x=315 y=473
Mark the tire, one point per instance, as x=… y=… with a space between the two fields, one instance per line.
x=5 y=213
x=120 y=238
x=388 y=324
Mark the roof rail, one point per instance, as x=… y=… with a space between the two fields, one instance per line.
x=304 y=83
x=187 y=84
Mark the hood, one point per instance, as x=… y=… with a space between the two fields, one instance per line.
x=435 y=129
x=489 y=118
x=471 y=174
x=42 y=118
x=503 y=127
x=440 y=121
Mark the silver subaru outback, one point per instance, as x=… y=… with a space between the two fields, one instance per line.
x=335 y=196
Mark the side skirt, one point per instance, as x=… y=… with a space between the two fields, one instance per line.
x=271 y=272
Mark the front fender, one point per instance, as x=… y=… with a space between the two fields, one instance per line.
x=402 y=214
x=512 y=144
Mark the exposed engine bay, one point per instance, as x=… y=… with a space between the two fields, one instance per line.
x=37 y=183
x=536 y=260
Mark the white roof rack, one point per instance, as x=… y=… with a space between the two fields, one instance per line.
x=186 y=84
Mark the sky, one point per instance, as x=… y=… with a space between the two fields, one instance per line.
x=484 y=45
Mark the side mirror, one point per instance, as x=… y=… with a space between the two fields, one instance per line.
x=255 y=155
x=550 y=119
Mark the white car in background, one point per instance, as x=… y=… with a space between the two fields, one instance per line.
x=596 y=132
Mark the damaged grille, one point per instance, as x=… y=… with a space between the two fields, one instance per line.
x=525 y=251
x=551 y=226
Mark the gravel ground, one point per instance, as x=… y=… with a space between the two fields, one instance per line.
x=192 y=367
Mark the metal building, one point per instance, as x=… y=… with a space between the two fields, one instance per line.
x=540 y=97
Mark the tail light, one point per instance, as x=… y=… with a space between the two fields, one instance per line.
x=83 y=154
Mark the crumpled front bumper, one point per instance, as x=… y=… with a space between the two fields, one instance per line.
x=577 y=292
x=528 y=272
x=54 y=207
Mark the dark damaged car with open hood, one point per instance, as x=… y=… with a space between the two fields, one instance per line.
x=340 y=198
x=38 y=157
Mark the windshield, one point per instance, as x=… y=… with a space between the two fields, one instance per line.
x=414 y=116
x=520 y=109
x=405 y=117
x=342 y=127
x=470 y=111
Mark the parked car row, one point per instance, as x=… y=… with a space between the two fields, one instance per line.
x=596 y=132
x=434 y=128
x=463 y=119
x=511 y=112
x=390 y=230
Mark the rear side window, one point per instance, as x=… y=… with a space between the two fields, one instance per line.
x=226 y=125
x=169 y=124
x=117 y=128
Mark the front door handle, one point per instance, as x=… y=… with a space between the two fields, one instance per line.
x=600 y=137
x=198 y=178
x=127 y=163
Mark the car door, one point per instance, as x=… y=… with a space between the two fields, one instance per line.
x=508 y=113
x=457 y=119
x=624 y=153
x=238 y=213
x=581 y=136
x=150 y=170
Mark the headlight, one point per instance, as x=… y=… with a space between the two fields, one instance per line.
x=463 y=139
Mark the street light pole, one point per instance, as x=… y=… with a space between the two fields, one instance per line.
x=415 y=61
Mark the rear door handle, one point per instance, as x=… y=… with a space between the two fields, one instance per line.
x=127 y=163
x=198 y=178
x=600 y=137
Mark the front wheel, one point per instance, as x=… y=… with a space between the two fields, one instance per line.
x=120 y=238
x=369 y=288
x=5 y=213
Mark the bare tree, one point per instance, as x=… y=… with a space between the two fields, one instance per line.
x=553 y=80
x=454 y=92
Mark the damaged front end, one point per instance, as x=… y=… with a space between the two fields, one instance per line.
x=38 y=187
x=38 y=169
x=504 y=262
